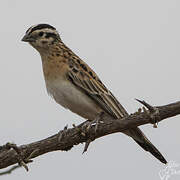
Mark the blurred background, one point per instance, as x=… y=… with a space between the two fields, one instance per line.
x=134 y=48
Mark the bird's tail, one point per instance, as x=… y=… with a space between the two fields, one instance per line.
x=142 y=140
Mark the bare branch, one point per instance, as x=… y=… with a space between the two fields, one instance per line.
x=79 y=134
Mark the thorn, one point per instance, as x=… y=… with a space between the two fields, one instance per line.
x=151 y=108
x=139 y=110
x=62 y=133
x=145 y=110
x=65 y=128
x=86 y=146
x=153 y=112
x=23 y=164
x=155 y=125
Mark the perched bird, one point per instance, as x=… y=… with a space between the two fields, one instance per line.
x=74 y=85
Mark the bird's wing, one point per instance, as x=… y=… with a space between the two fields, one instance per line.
x=85 y=79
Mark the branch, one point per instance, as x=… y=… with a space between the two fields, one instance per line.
x=76 y=135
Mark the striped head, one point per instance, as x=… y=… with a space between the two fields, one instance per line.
x=41 y=36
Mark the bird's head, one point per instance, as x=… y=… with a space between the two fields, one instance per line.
x=41 y=36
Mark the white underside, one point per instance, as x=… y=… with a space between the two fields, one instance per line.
x=68 y=96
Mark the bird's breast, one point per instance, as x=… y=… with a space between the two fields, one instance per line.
x=69 y=96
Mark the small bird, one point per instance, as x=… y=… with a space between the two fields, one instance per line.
x=75 y=86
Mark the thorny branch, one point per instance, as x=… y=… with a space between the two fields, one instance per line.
x=11 y=154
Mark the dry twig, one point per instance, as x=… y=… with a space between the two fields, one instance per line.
x=73 y=136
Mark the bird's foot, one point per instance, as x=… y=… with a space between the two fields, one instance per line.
x=95 y=122
x=84 y=134
x=79 y=130
x=152 y=112
x=87 y=127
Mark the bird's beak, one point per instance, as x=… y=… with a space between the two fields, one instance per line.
x=28 y=38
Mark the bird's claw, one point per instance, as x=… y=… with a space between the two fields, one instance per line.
x=79 y=130
x=95 y=122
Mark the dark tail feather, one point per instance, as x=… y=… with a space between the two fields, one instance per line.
x=148 y=146
x=143 y=141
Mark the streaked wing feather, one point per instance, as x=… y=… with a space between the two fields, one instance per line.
x=99 y=93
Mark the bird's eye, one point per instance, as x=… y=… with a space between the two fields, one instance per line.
x=41 y=34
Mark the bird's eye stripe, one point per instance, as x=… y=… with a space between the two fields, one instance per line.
x=48 y=34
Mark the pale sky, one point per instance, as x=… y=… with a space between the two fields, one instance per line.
x=134 y=48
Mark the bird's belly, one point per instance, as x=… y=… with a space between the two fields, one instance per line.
x=68 y=96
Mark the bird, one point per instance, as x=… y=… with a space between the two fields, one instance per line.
x=75 y=86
